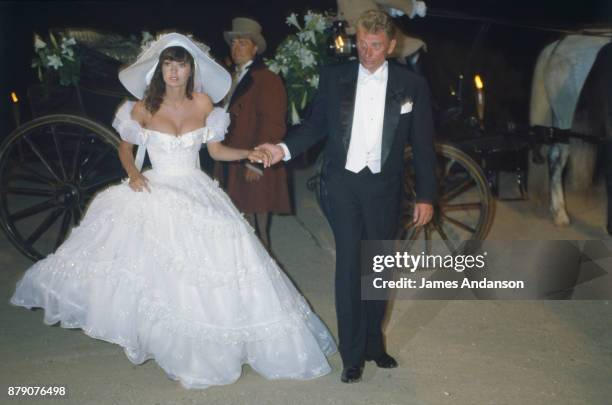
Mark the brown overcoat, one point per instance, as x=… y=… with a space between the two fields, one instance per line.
x=258 y=110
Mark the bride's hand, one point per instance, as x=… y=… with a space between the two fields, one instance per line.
x=138 y=182
x=260 y=156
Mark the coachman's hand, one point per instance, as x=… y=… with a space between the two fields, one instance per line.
x=251 y=176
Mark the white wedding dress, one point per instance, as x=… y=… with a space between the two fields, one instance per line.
x=178 y=275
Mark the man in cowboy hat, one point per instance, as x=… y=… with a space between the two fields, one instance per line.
x=257 y=103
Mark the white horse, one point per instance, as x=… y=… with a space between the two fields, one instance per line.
x=561 y=72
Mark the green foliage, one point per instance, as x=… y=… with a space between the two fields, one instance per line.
x=298 y=59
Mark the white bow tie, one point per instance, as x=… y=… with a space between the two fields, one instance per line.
x=377 y=77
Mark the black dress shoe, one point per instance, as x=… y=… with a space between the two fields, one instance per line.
x=384 y=361
x=351 y=374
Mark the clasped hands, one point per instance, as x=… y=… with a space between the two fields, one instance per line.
x=275 y=153
x=257 y=155
x=266 y=154
x=262 y=156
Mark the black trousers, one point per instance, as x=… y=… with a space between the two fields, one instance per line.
x=362 y=206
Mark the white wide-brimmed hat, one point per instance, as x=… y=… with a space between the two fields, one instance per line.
x=243 y=27
x=209 y=76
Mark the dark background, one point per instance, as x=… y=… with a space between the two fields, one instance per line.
x=505 y=57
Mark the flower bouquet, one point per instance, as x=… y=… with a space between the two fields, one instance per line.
x=53 y=58
x=298 y=58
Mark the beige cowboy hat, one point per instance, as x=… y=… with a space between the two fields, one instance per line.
x=210 y=77
x=246 y=28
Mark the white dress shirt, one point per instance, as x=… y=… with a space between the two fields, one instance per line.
x=242 y=70
x=237 y=77
x=368 y=116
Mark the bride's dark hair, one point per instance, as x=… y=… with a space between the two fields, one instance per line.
x=154 y=95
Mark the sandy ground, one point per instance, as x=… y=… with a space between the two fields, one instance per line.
x=450 y=352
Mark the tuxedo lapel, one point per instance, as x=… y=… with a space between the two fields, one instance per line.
x=393 y=101
x=347 y=90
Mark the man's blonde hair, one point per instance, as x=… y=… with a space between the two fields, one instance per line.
x=373 y=21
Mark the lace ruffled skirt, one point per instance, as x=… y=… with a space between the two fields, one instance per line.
x=177 y=275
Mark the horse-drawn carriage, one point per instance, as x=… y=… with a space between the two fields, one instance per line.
x=51 y=166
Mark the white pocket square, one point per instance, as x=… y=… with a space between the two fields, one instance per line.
x=406 y=107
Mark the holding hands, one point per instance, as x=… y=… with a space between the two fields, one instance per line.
x=275 y=152
x=260 y=156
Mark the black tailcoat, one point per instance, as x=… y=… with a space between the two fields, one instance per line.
x=365 y=206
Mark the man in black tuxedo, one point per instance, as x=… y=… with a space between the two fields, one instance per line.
x=367 y=111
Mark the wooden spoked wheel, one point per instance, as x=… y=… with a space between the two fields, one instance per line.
x=464 y=210
x=50 y=168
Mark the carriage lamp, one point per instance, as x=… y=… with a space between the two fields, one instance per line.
x=480 y=101
x=341 y=44
x=15 y=101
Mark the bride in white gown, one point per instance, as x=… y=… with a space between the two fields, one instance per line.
x=174 y=272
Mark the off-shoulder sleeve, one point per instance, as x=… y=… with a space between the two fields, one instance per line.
x=129 y=129
x=217 y=123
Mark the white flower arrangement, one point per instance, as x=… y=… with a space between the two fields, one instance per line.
x=56 y=57
x=299 y=57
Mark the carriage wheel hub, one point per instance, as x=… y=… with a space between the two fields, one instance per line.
x=68 y=195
